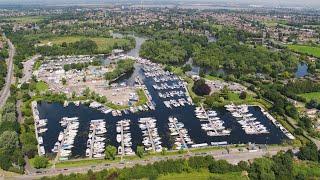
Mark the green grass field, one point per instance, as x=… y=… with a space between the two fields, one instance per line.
x=309 y=169
x=203 y=175
x=209 y=77
x=41 y=86
x=313 y=51
x=309 y=96
x=104 y=44
x=26 y=19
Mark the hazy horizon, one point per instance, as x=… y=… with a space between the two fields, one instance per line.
x=274 y=3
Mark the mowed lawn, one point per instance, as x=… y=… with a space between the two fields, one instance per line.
x=42 y=86
x=309 y=96
x=310 y=50
x=104 y=44
x=203 y=175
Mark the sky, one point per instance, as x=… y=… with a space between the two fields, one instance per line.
x=287 y=3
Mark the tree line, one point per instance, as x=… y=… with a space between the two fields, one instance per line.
x=122 y=67
x=232 y=54
x=11 y=156
x=279 y=166
x=3 y=73
x=80 y=66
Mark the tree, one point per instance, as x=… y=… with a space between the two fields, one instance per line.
x=9 y=141
x=140 y=151
x=308 y=152
x=243 y=95
x=201 y=88
x=261 y=169
x=164 y=151
x=186 y=68
x=243 y=165
x=40 y=162
x=222 y=166
x=283 y=165
x=110 y=152
x=64 y=81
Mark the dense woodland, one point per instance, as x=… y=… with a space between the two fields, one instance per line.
x=171 y=47
x=240 y=59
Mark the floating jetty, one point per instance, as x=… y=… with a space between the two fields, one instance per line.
x=276 y=123
x=176 y=103
x=151 y=138
x=66 y=138
x=96 y=140
x=214 y=125
x=40 y=127
x=124 y=137
x=177 y=130
x=246 y=119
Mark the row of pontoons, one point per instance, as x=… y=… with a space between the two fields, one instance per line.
x=96 y=140
x=249 y=123
x=214 y=125
x=66 y=137
x=124 y=137
x=171 y=94
x=176 y=103
x=40 y=127
x=165 y=78
x=151 y=138
x=180 y=134
x=165 y=86
x=276 y=123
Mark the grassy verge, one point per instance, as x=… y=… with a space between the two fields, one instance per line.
x=147 y=156
x=84 y=162
x=250 y=99
x=203 y=174
x=209 y=77
x=312 y=95
x=309 y=169
x=37 y=65
x=42 y=86
x=305 y=49
x=142 y=97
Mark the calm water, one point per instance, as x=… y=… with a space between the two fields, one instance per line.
x=55 y=111
x=302 y=70
x=139 y=41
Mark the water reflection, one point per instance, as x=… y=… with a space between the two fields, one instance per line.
x=302 y=70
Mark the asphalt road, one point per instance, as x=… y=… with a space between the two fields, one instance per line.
x=234 y=156
x=27 y=69
x=5 y=92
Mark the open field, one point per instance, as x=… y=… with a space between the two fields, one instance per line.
x=203 y=175
x=104 y=44
x=42 y=86
x=309 y=96
x=26 y=19
x=273 y=23
x=313 y=51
